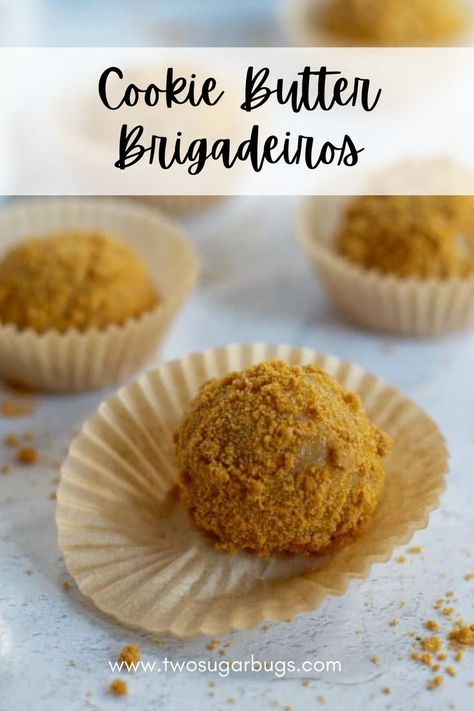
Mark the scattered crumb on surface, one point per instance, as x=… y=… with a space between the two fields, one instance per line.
x=415 y=549
x=212 y=645
x=66 y=585
x=10 y=408
x=375 y=659
x=400 y=559
x=462 y=634
x=118 y=687
x=386 y=690
x=4 y=469
x=11 y=440
x=393 y=623
x=432 y=644
x=130 y=654
x=27 y=455
x=451 y=671
x=435 y=682
x=432 y=625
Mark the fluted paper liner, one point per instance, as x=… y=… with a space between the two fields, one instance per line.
x=411 y=306
x=76 y=361
x=133 y=550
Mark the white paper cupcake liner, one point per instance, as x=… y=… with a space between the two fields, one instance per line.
x=133 y=550
x=76 y=361
x=410 y=307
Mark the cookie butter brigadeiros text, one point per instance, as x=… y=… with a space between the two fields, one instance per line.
x=73 y=280
x=279 y=458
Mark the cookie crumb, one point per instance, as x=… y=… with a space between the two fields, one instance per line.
x=415 y=549
x=130 y=654
x=432 y=625
x=448 y=611
x=27 y=455
x=462 y=634
x=435 y=682
x=432 y=644
x=10 y=408
x=118 y=687
x=400 y=559
x=386 y=690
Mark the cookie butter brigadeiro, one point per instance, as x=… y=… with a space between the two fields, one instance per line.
x=419 y=236
x=73 y=280
x=279 y=458
x=394 y=22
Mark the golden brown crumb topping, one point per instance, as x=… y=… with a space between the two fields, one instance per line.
x=420 y=236
x=394 y=22
x=73 y=280
x=279 y=458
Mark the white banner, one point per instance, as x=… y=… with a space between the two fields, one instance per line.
x=250 y=121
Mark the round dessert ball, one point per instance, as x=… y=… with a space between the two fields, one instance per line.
x=418 y=236
x=279 y=458
x=73 y=280
x=394 y=22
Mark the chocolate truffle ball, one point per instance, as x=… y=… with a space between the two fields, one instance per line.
x=279 y=458
x=420 y=236
x=73 y=280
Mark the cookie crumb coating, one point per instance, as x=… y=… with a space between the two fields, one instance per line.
x=73 y=280
x=410 y=236
x=279 y=457
x=394 y=22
